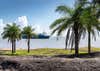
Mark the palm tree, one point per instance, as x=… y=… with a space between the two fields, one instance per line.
x=69 y=21
x=12 y=33
x=28 y=32
x=90 y=23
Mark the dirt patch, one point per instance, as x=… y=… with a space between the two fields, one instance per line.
x=31 y=63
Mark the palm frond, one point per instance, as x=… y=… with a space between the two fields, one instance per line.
x=28 y=31
x=56 y=29
x=72 y=40
x=67 y=23
x=65 y=9
x=57 y=22
x=67 y=37
x=93 y=34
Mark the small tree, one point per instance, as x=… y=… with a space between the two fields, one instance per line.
x=12 y=33
x=28 y=32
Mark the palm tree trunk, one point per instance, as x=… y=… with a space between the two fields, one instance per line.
x=66 y=44
x=14 y=46
x=76 y=45
x=89 y=42
x=76 y=39
x=28 y=44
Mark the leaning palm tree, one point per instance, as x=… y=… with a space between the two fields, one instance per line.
x=70 y=23
x=12 y=33
x=28 y=32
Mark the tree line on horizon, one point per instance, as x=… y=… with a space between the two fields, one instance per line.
x=76 y=22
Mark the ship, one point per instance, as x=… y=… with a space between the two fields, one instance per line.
x=38 y=36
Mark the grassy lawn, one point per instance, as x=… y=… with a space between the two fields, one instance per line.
x=47 y=51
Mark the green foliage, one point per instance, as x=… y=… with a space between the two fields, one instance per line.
x=11 y=32
x=65 y=10
x=28 y=31
x=67 y=23
x=48 y=51
x=83 y=18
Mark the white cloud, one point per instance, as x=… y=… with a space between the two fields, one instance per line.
x=22 y=21
x=40 y=29
x=1 y=25
x=1 y=21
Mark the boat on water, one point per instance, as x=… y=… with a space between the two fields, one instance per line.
x=39 y=36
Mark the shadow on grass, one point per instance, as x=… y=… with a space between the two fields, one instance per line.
x=4 y=52
x=81 y=55
x=11 y=54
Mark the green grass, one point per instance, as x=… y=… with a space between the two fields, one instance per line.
x=47 y=51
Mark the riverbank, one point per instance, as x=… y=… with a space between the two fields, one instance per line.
x=47 y=59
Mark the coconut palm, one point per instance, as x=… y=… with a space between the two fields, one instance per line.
x=28 y=32
x=12 y=33
x=69 y=21
x=95 y=7
x=91 y=25
x=90 y=22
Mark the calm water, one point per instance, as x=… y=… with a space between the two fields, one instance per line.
x=44 y=43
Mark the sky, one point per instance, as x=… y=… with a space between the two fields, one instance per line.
x=37 y=13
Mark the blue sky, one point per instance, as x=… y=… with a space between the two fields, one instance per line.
x=38 y=12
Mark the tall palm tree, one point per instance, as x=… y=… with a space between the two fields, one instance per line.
x=69 y=21
x=28 y=32
x=12 y=33
x=90 y=22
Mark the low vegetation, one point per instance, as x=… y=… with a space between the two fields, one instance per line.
x=47 y=52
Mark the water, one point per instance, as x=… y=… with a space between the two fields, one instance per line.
x=44 y=43
x=35 y=43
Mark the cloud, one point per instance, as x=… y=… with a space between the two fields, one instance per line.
x=22 y=21
x=40 y=29
x=1 y=25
